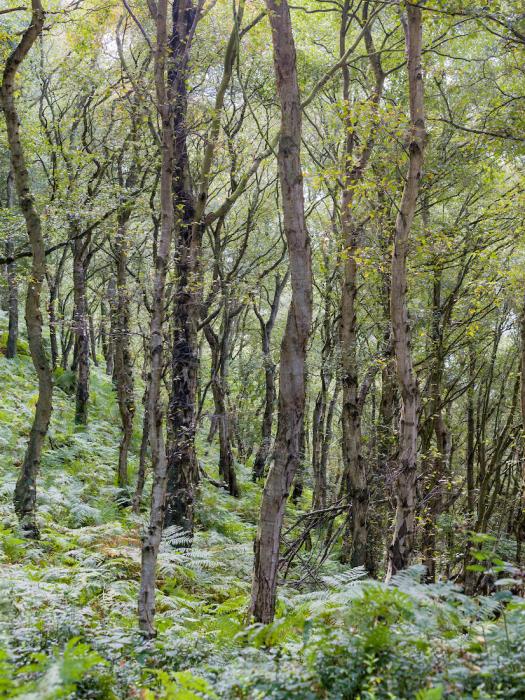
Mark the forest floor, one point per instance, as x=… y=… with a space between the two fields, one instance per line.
x=68 y=624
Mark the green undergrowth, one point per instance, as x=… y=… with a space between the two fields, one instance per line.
x=68 y=602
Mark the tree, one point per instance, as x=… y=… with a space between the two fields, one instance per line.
x=25 y=491
x=286 y=453
x=401 y=549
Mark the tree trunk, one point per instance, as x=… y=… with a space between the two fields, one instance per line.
x=153 y=533
x=401 y=548
x=123 y=370
x=293 y=347
x=355 y=476
x=438 y=472
x=108 y=347
x=53 y=284
x=520 y=525
x=220 y=351
x=80 y=325
x=263 y=452
x=320 y=487
x=92 y=339
x=183 y=471
x=141 y=474
x=25 y=490
x=12 y=286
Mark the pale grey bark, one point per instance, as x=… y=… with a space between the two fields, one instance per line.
x=286 y=453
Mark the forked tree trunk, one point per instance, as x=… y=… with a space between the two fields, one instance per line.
x=286 y=453
x=153 y=533
x=401 y=549
x=25 y=490
x=12 y=286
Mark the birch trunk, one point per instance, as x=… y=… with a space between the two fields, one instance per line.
x=293 y=348
x=153 y=534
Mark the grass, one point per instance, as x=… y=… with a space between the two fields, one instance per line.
x=68 y=602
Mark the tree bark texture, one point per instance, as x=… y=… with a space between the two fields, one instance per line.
x=402 y=545
x=153 y=533
x=81 y=329
x=355 y=477
x=183 y=471
x=25 y=490
x=123 y=368
x=286 y=454
x=12 y=285
x=263 y=452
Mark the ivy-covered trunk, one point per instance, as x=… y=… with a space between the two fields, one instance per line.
x=183 y=472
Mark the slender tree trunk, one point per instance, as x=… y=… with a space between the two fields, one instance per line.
x=141 y=474
x=12 y=285
x=321 y=416
x=293 y=347
x=108 y=348
x=52 y=319
x=355 y=477
x=220 y=350
x=401 y=549
x=53 y=284
x=123 y=370
x=92 y=340
x=153 y=533
x=439 y=463
x=263 y=452
x=25 y=490
x=298 y=481
x=471 y=429
x=320 y=488
x=80 y=325
x=520 y=526
x=328 y=431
